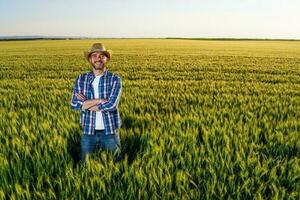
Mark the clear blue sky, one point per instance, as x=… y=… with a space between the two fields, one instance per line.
x=152 y=18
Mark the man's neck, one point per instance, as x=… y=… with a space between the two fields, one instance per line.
x=98 y=72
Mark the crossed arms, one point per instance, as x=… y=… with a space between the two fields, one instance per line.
x=90 y=104
x=79 y=101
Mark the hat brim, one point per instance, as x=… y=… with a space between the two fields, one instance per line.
x=107 y=53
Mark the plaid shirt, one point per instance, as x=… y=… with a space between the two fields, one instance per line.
x=110 y=87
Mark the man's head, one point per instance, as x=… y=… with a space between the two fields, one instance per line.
x=98 y=56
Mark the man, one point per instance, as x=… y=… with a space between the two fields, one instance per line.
x=97 y=94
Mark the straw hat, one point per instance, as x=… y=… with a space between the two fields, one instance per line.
x=98 y=47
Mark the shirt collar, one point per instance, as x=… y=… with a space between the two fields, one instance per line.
x=91 y=75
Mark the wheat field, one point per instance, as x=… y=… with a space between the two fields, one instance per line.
x=201 y=120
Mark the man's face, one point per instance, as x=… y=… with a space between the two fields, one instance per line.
x=98 y=60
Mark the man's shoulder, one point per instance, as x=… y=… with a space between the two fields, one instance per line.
x=84 y=75
x=113 y=75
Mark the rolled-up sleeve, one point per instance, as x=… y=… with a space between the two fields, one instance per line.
x=76 y=104
x=114 y=98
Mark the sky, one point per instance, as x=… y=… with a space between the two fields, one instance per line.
x=273 y=19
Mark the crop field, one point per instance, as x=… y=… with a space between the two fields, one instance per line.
x=201 y=120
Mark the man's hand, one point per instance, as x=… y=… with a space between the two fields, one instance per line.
x=80 y=96
x=102 y=101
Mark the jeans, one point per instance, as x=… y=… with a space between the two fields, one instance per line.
x=90 y=143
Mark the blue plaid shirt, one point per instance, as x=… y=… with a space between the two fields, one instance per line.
x=110 y=87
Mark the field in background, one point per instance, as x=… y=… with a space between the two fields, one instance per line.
x=201 y=119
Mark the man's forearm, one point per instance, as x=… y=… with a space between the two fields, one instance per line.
x=90 y=103
x=94 y=108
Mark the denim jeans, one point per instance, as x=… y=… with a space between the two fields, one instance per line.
x=90 y=143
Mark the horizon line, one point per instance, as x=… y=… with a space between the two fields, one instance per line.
x=45 y=37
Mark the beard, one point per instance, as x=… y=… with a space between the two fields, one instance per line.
x=98 y=65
